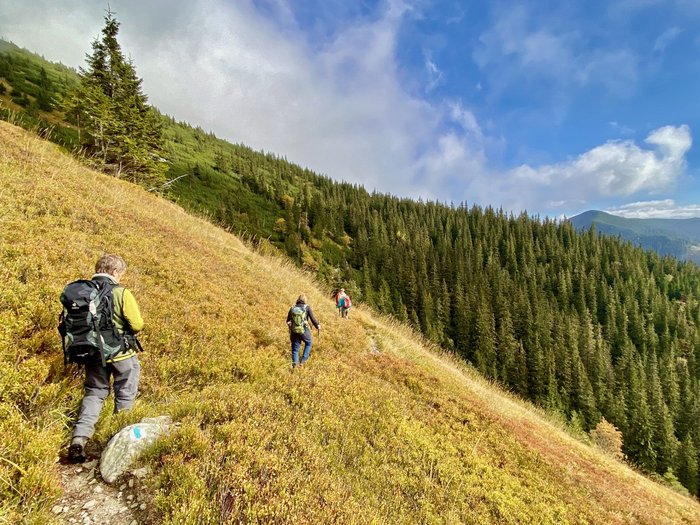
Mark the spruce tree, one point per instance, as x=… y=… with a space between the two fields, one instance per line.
x=117 y=127
x=688 y=465
x=639 y=440
x=43 y=98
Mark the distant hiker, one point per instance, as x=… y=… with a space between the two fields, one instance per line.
x=300 y=330
x=348 y=305
x=99 y=321
x=343 y=303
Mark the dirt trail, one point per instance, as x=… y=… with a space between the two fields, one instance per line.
x=87 y=500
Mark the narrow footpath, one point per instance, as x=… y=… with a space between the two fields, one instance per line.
x=87 y=500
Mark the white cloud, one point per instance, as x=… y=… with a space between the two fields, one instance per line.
x=522 y=45
x=511 y=38
x=616 y=70
x=658 y=209
x=614 y=169
x=458 y=17
x=665 y=38
x=58 y=30
x=435 y=75
x=620 y=128
x=467 y=121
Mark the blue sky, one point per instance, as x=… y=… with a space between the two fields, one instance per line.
x=553 y=107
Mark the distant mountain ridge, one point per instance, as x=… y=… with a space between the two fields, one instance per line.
x=677 y=237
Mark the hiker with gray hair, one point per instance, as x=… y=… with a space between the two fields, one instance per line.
x=109 y=357
x=300 y=331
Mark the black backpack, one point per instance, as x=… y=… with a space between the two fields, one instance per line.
x=86 y=326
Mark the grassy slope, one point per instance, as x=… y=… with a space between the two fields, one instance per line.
x=217 y=191
x=378 y=429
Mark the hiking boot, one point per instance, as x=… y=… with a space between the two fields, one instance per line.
x=76 y=451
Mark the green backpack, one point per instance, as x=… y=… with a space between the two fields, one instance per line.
x=298 y=319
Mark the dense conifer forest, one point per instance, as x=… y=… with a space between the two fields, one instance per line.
x=585 y=325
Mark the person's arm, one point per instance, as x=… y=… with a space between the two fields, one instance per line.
x=131 y=312
x=313 y=319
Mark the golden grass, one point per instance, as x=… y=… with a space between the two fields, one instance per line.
x=378 y=428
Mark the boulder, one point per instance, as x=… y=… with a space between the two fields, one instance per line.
x=128 y=443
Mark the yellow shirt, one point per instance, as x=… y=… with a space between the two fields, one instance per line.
x=127 y=315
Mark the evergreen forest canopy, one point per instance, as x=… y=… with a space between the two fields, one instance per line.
x=585 y=325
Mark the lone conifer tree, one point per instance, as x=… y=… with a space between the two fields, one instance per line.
x=117 y=126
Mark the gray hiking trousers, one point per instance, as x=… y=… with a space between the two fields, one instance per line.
x=126 y=375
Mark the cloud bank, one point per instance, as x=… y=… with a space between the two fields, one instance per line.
x=339 y=105
x=660 y=209
x=614 y=169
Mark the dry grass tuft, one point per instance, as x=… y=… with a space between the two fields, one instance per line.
x=377 y=429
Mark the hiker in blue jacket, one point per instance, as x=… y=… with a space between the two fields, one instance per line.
x=298 y=319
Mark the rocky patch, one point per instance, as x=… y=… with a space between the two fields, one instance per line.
x=87 y=500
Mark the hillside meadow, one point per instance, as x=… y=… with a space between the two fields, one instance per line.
x=378 y=428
